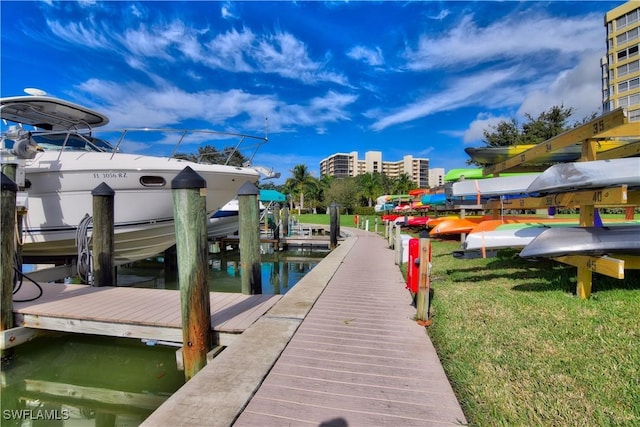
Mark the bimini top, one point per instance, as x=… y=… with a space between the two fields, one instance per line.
x=49 y=113
x=272 y=196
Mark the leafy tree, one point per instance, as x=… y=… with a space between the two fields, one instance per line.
x=505 y=133
x=547 y=125
x=211 y=155
x=344 y=192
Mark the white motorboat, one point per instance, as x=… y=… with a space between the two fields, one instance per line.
x=70 y=162
x=225 y=222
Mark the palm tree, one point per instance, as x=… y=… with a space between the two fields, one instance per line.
x=299 y=182
x=370 y=186
x=403 y=183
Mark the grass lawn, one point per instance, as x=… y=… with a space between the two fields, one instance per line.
x=521 y=349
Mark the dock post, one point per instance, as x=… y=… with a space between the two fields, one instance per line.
x=276 y=231
x=190 y=213
x=285 y=221
x=397 y=246
x=7 y=219
x=248 y=211
x=423 y=298
x=333 y=226
x=102 y=237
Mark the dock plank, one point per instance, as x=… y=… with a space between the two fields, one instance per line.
x=358 y=357
x=67 y=304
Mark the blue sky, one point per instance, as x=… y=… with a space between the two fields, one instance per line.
x=419 y=78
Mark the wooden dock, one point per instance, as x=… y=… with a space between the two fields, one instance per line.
x=340 y=349
x=143 y=313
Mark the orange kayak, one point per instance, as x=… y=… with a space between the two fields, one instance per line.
x=455 y=226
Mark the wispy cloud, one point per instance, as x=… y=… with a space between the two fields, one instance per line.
x=171 y=106
x=513 y=38
x=372 y=57
x=466 y=91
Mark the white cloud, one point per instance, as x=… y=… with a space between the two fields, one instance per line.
x=372 y=57
x=514 y=37
x=466 y=91
x=483 y=121
x=226 y=11
x=579 y=88
x=134 y=105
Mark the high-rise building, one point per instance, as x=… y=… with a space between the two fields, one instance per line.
x=621 y=66
x=342 y=165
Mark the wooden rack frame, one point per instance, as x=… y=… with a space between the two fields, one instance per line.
x=614 y=124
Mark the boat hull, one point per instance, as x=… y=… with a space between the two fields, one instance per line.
x=595 y=241
x=59 y=186
x=587 y=175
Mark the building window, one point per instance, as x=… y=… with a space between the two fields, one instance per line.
x=627 y=53
x=629 y=68
x=628 y=85
x=628 y=19
x=626 y=37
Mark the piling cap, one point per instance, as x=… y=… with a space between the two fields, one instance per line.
x=8 y=184
x=188 y=178
x=103 y=190
x=248 y=189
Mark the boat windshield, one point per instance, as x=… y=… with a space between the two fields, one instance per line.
x=75 y=142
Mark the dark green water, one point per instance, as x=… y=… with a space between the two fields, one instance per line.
x=80 y=380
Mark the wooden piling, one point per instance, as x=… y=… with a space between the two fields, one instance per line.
x=102 y=237
x=333 y=226
x=7 y=218
x=189 y=207
x=424 y=281
x=285 y=221
x=249 y=230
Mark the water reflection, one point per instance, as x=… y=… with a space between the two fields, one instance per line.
x=280 y=271
x=80 y=380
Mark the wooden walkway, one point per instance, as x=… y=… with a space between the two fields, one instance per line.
x=358 y=358
x=131 y=312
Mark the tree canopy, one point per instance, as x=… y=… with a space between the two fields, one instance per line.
x=536 y=130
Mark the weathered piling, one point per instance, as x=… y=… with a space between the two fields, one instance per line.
x=333 y=226
x=276 y=230
x=423 y=298
x=7 y=218
x=285 y=221
x=189 y=207
x=102 y=237
x=249 y=230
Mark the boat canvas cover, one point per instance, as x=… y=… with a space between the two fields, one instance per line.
x=272 y=196
x=49 y=113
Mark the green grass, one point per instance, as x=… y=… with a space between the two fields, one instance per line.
x=520 y=349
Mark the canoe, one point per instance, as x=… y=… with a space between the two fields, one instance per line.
x=455 y=226
x=517 y=184
x=473 y=173
x=502 y=238
x=519 y=235
x=433 y=199
x=587 y=175
x=492 y=155
x=517 y=222
x=595 y=241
